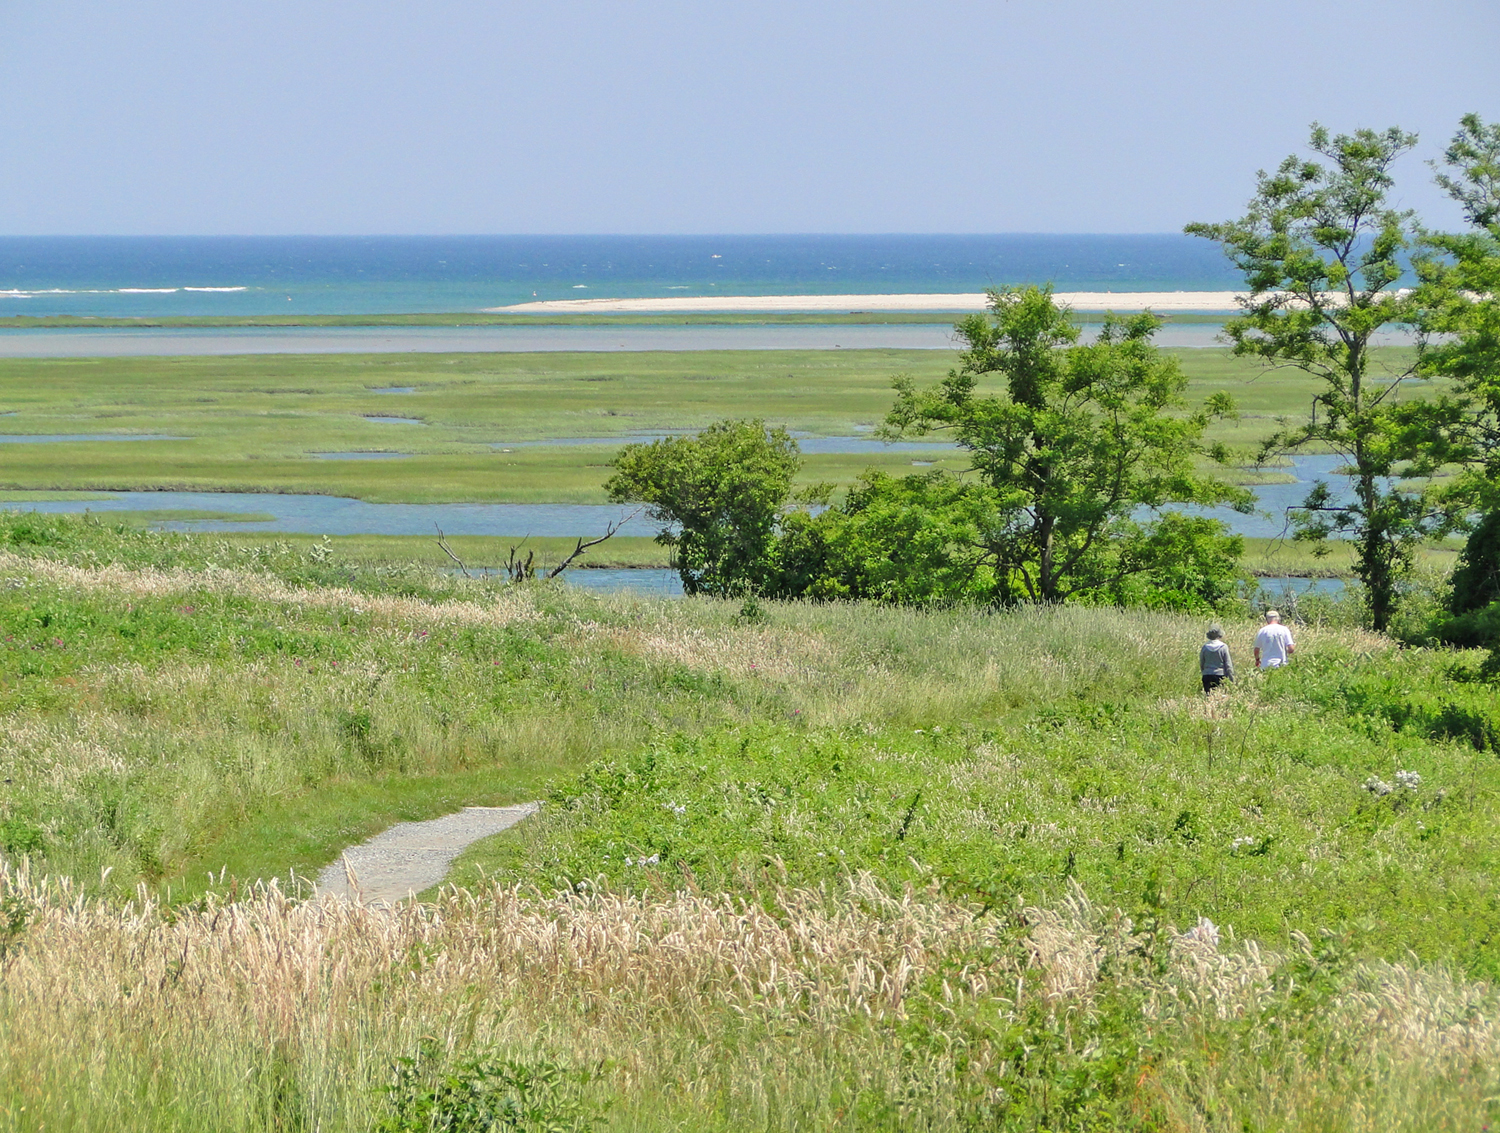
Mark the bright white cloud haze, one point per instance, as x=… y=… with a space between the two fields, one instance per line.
x=587 y=116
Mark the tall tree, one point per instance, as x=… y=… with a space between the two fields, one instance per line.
x=1322 y=248
x=1459 y=302
x=1079 y=442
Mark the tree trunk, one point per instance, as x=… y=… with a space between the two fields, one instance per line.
x=1375 y=562
x=1047 y=574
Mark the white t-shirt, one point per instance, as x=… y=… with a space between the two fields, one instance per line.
x=1274 y=642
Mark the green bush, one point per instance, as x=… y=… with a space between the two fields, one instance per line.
x=901 y=540
x=484 y=1093
x=720 y=494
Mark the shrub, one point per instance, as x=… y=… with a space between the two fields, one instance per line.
x=721 y=495
x=483 y=1093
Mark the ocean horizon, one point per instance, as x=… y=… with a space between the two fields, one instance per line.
x=159 y=276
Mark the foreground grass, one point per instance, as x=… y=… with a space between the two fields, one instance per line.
x=177 y=704
x=839 y=868
x=846 y=1008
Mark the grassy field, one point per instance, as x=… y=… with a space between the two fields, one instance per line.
x=253 y=423
x=824 y=867
x=478 y=552
x=1272 y=558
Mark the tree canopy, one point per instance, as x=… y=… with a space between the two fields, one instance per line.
x=721 y=495
x=1079 y=449
x=1321 y=248
x=1459 y=305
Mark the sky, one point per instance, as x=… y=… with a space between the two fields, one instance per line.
x=704 y=116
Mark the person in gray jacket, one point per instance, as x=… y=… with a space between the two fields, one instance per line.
x=1214 y=661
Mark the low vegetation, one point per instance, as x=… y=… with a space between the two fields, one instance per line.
x=798 y=866
x=251 y=423
x=953 y=862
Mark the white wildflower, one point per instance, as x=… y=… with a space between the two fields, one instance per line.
x=1243 y=842
x=1408 y=780
x=1377 y=786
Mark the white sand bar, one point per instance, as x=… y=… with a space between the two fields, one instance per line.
x=844 y=304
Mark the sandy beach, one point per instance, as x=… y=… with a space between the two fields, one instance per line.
x=1210 y=301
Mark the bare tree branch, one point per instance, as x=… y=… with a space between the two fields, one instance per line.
x=447 y=550
x=521 y=570
x=609 y=533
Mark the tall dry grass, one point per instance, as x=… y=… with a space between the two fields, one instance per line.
x=854 y=1008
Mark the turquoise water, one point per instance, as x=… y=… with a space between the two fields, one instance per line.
x=162 y=276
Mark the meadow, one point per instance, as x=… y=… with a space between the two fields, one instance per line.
x=797 y=866
x=253 y=423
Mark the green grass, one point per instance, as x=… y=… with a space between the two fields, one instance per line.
x=168 y=723
x=868 y=835
x=253 y=422
x=487 y=552
x=146 y=517
x=1274 y=558
x=1112 y=775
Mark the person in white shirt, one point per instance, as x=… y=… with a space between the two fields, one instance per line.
x=1273 y=644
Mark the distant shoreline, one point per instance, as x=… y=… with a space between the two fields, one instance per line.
x=533 y=318
x=1195 y=301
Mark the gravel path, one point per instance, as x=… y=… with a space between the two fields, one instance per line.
x=413 y=856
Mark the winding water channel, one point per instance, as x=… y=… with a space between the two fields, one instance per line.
x=339 y=515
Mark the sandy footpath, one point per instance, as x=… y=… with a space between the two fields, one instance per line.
x=413 y=856
x=749 y=304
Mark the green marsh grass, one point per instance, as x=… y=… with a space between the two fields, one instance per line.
x=254 y=421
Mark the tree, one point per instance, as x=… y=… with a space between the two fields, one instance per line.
x=1459 y=301
x=722 y=494
x=902 y=540
x=1082 y=440
x=1321 y=249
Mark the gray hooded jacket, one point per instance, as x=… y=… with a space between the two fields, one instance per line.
x=1213 y=660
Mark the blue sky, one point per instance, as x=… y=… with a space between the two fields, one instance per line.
x=698 y=116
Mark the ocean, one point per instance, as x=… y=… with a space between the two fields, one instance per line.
x=156 y=276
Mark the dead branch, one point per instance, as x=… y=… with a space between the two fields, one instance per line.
x=609 y=533
x=447 y=550
x=521 y=570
